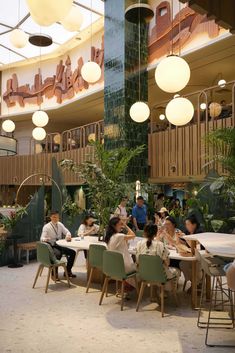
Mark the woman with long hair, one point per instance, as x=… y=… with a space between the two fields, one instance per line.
x=88 y=227
x=150 y=246
x=117 y=241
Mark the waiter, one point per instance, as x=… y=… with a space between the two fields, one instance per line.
x=53 y=231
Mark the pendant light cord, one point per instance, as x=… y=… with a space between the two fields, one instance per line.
x=18 y=13
x=91 y=27
x=179 y=30
x=172 y=27
x=139 y=48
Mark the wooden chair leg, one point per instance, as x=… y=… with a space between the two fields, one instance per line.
x=141 y=292
x=136 y=286
x=122 y=295
x=53 y=273
x=37 y=275
x=48 y=278
x=66 y=274
x=162 y=299
x=89 y=280
x=103 y=290
x=42 y=267
x=174 y=291
x=107 y=286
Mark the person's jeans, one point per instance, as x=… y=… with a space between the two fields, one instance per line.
x=69 y=253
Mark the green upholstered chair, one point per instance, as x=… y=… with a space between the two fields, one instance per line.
x=139 y=233
x=46 y=258
x=113 y=268
x=95 y=260
x=151 y=271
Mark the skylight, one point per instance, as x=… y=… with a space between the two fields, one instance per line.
x=11 y=17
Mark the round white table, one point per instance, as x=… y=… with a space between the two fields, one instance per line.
x=79 y=244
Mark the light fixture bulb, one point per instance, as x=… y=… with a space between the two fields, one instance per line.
x=139 y=112
x=203 y=106
x=91 y=72
x=222 y=83
x=73 y=21
x=40 y=118
x=162 y=117
x=8 y=125
x=18 y=38
x=39 y=133
x=179 y=111
x=172 y=74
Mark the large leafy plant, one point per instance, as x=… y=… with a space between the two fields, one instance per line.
x=10 y=221
x=104 y=173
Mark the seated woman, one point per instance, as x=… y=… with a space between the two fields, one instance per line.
x=88 y=227
x=192 y=226
x=150 y=246
x=117 y=241
x=170 y=236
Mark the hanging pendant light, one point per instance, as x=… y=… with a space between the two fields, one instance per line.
x=8 y=125
x=91 y=71
x=73 y=21
x=179 y=111
x=17 y=37
x=40 y=118
x=139 y=111
x=39 y=133
x=47 y=12
x=173 y=72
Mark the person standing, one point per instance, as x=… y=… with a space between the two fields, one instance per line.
x=53 y=231
x=139 y=214
x=160 y=202
x=121 y=211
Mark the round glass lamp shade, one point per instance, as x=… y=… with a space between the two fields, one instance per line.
x=39 y=133
x=222 y=83
x=215 y=109
x=57 y=139
x=162 y=117
x=139 y=112
x=73 y=21
x=38 y=148
x=203 y=106
x=91 y=72
x=91 y=137
x=47 y=12
x=8 y=126
x=172 y=74
x=40 y=118
x=179 y=111
x=18 y=38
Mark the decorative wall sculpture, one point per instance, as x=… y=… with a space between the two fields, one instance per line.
x=187 y=24
x=65 y=84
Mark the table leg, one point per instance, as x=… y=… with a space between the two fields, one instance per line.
x=194 y=285
x=208 y=287
x=194 y=277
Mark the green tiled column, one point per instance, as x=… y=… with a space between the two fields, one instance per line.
x=122 y=84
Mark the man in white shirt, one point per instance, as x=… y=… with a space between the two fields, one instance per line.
x=53 y=231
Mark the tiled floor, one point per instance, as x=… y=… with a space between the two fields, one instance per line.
x=70 y=321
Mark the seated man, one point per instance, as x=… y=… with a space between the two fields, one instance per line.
x=53 y=231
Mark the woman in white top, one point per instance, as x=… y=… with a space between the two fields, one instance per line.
x=117 y=241
x=150 y=246
x=121 y=209
x=88 y=227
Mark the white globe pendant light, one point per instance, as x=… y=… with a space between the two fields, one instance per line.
x=8 y=126
x=139 y=112
x=91 y=72
x=39 y=133
x=47 y=12
x=203 y=106
x=162 y=117
x=40 y=118
x=18 y=38
x=73 y=21
x=172 y=74
x=179 y=111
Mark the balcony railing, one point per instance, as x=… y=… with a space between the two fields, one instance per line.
x=175 y=153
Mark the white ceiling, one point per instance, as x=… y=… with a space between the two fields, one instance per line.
x=15 y=14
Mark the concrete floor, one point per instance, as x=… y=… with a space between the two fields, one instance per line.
x=68 y=320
